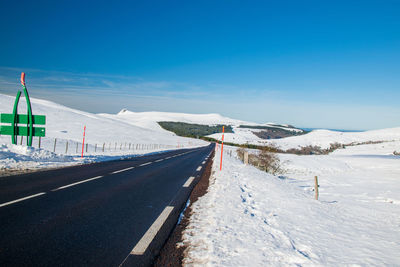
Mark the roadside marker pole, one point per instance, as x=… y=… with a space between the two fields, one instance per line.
x=222 y=147
x=83 y=143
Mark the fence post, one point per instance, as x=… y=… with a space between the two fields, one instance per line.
x=103 y=146
x=86 y=147
x=66 y=147
x=246 y=158
x=316 y=187
x=55 y=143
x=77 y=144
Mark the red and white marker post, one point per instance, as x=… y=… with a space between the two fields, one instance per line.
x=222 y=147
x=83 y=142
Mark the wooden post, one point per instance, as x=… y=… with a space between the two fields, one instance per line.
x=316 y=187
x=86 y=147
x=103 y=146
x=66 y=147
x=55 y=143
x=246 y=158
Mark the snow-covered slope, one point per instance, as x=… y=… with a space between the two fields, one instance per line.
x=149 y=119
x=66 y=125
x=265 y=220
x=322 y=138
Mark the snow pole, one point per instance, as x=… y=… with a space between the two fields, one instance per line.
x=222 y=147
x=83 y=142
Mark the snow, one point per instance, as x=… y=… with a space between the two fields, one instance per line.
x=251 y=218
x=66 y=125
x=322 y=138
x=150 y=119
x=116 y=132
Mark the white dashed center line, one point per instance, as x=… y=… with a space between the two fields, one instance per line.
x=80 y=182
x=127 y=169
x=203 y=162
x=189 y=181
x=144 y=164
x=21 y=199
x=159 y=160
x=199 y=168
x=145 y=241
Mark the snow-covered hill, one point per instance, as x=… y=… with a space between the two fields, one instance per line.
x=118 y=136
x=149 y=119
x=322 y=138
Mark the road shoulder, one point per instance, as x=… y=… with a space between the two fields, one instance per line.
x=173 y=250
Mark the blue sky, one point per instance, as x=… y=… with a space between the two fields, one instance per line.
x=332 y=64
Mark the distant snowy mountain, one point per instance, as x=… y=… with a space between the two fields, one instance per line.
x=244 y=130
x=321 y=138
x=149 y=119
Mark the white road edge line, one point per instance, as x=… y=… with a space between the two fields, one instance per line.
x=145 y=241
x=21 y=199
x=159 y=160
x=199 y=168
x=80 y=182
x=189 y=181
x=127 y=169
x=144 y=164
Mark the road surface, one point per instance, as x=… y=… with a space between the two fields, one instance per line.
x=105 y=214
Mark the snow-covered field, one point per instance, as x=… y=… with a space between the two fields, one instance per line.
x=121 y=136
x=322 y=138
x=251 y=218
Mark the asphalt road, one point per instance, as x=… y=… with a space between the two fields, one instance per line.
x=105 y=214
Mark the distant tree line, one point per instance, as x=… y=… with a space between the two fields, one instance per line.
x=193 y=130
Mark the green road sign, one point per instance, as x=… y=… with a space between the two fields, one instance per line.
x=22 y=118
x=22 y=130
